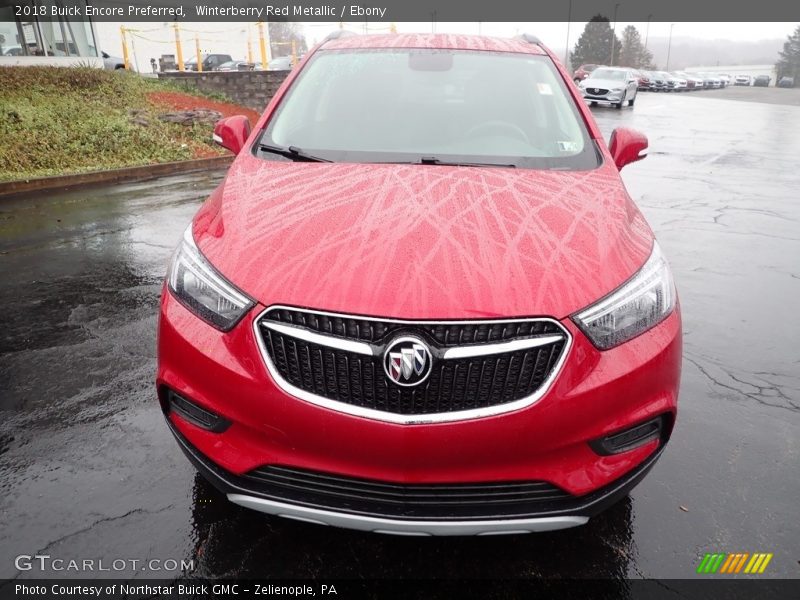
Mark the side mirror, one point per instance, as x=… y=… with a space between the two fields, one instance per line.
x=232 y=132
x=626 y=146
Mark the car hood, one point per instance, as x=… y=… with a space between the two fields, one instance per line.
x=413 y=241
x=608 y=84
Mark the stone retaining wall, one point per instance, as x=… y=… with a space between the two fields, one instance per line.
x=252 y=89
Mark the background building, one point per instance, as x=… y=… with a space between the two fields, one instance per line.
x=33 y=41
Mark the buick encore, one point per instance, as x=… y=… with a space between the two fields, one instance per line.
x=422 y=301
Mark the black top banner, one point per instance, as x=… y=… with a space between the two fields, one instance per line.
x=403 y=10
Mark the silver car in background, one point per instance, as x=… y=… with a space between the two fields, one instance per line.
x=612 y=85
x=112 y=63
x=679 y=82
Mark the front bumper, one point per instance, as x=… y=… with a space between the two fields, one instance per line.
x=595 y=394
x=611 y=97
x=245 y=492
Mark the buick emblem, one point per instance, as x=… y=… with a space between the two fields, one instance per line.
x=407 y=361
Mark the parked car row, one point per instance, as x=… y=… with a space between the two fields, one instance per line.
x=279 y=63
x=747 y=80
x=224 y=62
x=680 y=81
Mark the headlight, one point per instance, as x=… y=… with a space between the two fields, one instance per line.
x=641 y=303
x=198 y=286
x=617 y=90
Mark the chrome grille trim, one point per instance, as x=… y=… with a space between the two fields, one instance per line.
x=408 y=419
x=487 y=349
x=324 y=340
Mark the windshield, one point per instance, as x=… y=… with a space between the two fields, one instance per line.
x=433 y=106
x=608 y=74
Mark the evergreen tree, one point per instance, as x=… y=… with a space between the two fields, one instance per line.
x=789 y=63
x=632 y=52
x=594 y=45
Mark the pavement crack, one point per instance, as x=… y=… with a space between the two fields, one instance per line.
x=99 y=522
x=759 y=396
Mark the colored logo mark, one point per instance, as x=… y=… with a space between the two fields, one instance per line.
x=742 y=562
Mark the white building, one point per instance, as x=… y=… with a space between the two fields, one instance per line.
x=28 y=40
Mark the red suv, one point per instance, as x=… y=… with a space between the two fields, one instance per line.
x=421 y=301
x=583 y=72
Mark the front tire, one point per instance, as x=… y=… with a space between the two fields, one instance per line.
x=619 y=104
x=632 y=100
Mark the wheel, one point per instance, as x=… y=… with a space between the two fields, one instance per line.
x=619 y=104
x=632 y=100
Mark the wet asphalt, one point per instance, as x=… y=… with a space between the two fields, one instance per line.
x=89 y=470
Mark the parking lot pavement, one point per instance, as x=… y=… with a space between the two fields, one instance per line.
x=768 y=95
x=89 y=469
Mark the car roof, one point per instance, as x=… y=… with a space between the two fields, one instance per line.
x=439 y=41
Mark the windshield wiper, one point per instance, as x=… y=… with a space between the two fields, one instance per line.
x=432 y=160
x=292 y=152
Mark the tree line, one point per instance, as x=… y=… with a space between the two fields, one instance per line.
x=599 y=45
x=595 y=46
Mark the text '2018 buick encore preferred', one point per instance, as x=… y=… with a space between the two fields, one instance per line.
x=422 y=301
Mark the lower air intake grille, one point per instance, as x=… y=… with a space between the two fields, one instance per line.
x=420 y=501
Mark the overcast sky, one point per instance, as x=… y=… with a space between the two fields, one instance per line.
x=154 y=39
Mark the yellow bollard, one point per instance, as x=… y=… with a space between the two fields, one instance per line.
x=393 y=28
x=178 y=49
x=262 y=43
x=294 y=53
x=199 y=56
x=125 y=48
x=249 y=48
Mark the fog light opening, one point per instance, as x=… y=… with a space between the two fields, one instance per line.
x=631 y=438
x=195 y=414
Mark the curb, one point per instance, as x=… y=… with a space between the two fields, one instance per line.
x=80 y=180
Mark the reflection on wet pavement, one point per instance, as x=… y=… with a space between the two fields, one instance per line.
x=88 y=468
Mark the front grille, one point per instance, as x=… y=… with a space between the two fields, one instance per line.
x=323 y=371
x=446 y=334
x=408 y=500
x=597 y=91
